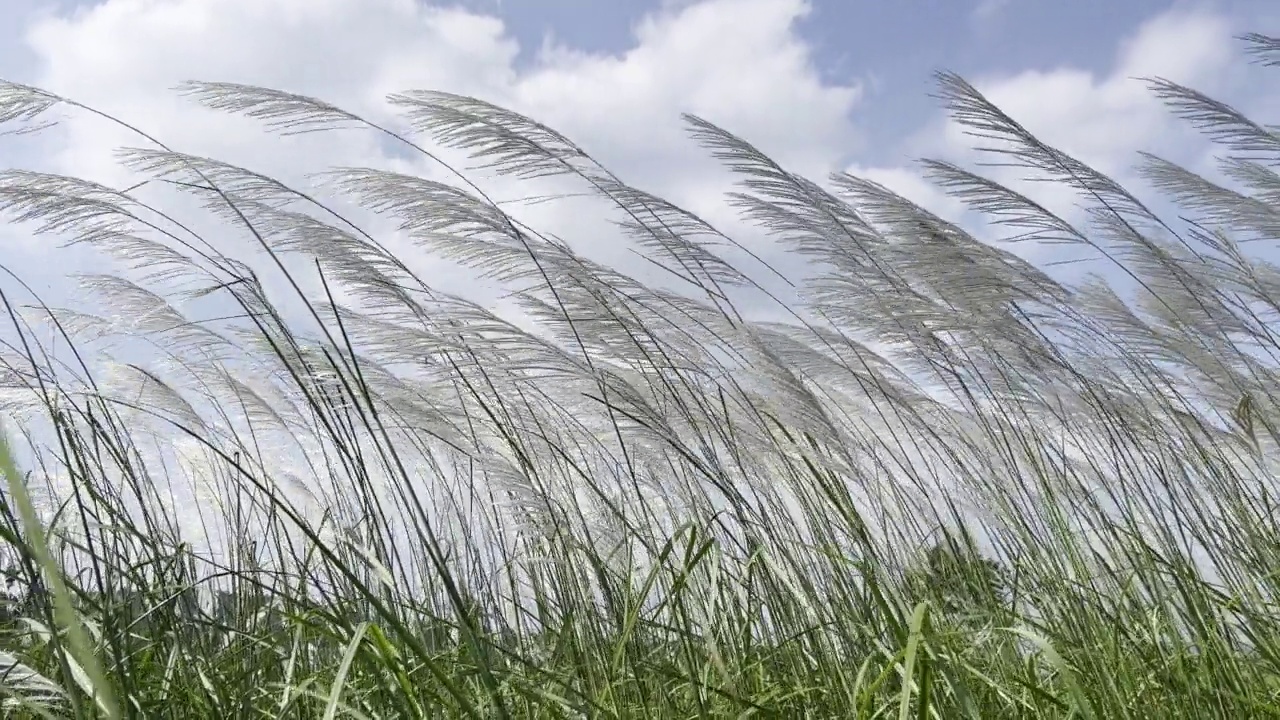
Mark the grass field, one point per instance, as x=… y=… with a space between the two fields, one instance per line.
x=295 y=480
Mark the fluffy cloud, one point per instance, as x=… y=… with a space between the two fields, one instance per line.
x=738 y=63
x=1103 y=120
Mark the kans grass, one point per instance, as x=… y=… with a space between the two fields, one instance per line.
x=940 y=484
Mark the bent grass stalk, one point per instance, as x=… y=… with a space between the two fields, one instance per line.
x=83 y=660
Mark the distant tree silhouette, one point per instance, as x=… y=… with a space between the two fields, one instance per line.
x=957 y=579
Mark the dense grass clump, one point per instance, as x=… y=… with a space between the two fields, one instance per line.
x=275 y=472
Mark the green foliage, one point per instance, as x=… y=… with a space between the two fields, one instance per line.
x=956 y=579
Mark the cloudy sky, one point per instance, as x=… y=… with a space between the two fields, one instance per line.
x=822 y=85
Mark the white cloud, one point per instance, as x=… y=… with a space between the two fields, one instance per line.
x=125 y=56
x=735 y=62
x=1103 y=120
x=739 y=63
